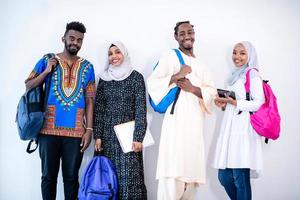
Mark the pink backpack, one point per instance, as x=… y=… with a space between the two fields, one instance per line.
x=266 y=120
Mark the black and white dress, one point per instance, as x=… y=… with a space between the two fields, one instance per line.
x=119 y=102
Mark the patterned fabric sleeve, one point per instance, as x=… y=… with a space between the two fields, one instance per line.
x=140 y=109
x=90 y=87
x=98 y=111
x=38 y=69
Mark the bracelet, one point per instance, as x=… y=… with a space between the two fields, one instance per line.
x=89 y=128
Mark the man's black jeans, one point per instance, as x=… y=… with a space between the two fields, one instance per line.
x=53 y=149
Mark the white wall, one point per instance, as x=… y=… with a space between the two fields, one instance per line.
x=31 y=28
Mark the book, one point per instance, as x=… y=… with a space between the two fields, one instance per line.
x=226 y=93
x=125 y=132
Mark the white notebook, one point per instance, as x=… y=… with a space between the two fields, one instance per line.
x=124 y=134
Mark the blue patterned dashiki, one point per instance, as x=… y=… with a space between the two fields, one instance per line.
x=69 y=87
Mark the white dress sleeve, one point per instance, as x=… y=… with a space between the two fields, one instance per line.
x=256 y=94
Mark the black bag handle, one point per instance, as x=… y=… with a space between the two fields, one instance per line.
x=98 y=153
x=175 y=101
x=28 y=149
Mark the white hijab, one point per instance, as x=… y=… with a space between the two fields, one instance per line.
x=251 y=63
x=121 y=72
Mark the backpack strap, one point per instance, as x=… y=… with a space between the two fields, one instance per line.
x=111 y=191
x=47 y=90
x=247 y=83
x=181 y=61
x=179 y=56
x=247 y=88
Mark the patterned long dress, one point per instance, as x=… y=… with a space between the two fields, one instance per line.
x=119 y=102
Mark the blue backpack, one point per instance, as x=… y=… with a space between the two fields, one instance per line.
x=30 y=116
x=30 y=113
x=99 y=181
x=172 y=95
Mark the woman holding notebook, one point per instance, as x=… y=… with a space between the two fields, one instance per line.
x=121 y=98
x=238 y=154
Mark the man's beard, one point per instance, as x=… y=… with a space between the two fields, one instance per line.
x=71 y=50
x=187 y=48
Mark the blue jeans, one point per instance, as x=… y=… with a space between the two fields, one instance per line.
x=52 y=150
x=236 y=183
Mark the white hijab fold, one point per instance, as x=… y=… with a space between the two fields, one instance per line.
x=121 y=72
x=252 y=62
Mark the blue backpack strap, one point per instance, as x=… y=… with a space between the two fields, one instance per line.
x=179 y=56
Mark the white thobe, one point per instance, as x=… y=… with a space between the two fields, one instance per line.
x=181 y=150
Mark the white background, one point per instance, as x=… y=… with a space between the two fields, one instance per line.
x=31 y=28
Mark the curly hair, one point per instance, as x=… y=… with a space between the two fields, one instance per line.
x=179 y=23
x=77 y=26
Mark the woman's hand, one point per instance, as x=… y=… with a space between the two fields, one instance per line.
x=222 y=102
x=219 y=102
x=231 y=101
x=137 y=146
x=98 y=144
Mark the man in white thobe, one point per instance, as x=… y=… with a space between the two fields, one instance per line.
x=181 y=159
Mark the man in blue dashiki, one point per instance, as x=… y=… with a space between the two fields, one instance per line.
x=67 y=129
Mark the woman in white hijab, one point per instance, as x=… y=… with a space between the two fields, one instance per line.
x=117 y=71
x=238 y=154
x=121 y=98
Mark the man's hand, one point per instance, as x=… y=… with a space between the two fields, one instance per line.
x=184 y=70
x=51 y=63
x=39 y=80
x=86 y=140
x=185 y=84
